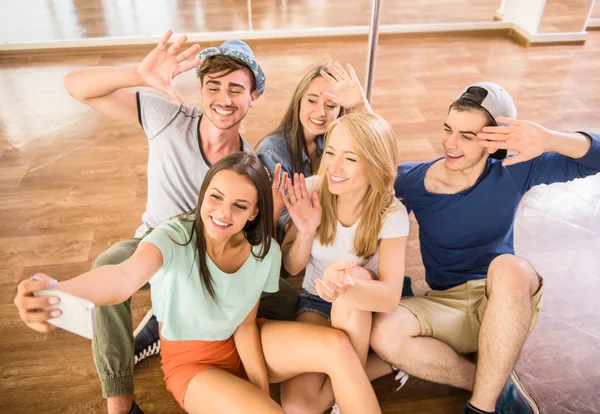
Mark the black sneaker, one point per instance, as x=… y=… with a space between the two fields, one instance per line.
x=514 y=399
x=135 y=409
x=147 y=338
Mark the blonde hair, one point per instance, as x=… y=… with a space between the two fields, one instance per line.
x=375 y=145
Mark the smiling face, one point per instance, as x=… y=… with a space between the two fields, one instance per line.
x=344 y=171
x=461 y=147
x=316 y=112
x=227 y=98
x=230 y=201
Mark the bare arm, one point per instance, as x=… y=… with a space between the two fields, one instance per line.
x=569 y=144
x=295 y=250
x=247 y=342
x=112 y=284
x=383 y=294
x=305 y=211
x=358 y=285
x=530 y=140
x=103 y=88
x=103 y=286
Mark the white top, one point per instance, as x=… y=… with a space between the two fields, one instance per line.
x=395 y=225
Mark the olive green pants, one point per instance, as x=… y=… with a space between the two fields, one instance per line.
x=113 y=346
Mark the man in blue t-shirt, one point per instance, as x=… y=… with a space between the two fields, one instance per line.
x=483 y=297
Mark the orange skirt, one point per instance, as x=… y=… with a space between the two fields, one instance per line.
x=183 y=360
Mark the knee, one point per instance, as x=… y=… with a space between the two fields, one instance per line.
x=360 y=272
x=296 y=401
x=387 y=339
x=103 y=259
x=337 y=348
x=115 y=254
x=297 y=397
x=512 y=275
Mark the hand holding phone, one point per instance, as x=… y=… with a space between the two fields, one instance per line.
x=77 y=315
x=42 y=308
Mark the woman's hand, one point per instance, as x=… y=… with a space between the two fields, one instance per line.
x=305 y=211
x=279 y=183
x=349 y=91
x=31 y=308
x=336 y=281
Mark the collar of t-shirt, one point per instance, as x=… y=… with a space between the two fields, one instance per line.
x=200 y=142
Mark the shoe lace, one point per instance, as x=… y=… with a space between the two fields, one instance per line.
x=152 y=349
x=401 y=376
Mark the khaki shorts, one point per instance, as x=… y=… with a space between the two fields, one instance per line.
x=453 y=316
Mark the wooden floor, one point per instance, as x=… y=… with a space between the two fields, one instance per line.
x=73 y=182
x=75 y=19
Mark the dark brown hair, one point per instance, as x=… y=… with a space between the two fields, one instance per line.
x=226 y=64
x=258 y=231
x=466 y=105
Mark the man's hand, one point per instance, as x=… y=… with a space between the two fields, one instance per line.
x=161 y=65
x=529 y=140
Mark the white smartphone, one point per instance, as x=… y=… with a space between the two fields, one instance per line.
x=78 y=315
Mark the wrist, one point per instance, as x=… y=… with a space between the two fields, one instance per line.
x=550 y=145
x=136 y=76
x=306 y=235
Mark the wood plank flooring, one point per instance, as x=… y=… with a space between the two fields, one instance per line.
x=56 y=20
x=73 y=182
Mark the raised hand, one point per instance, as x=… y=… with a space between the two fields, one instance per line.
x=529 y=140
x=30 y=306
x=305 y=211
x=161 y=65
x=279 y=183
x=349 y=91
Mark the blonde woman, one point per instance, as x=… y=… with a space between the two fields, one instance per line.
x=325 y=93
x=349 y=233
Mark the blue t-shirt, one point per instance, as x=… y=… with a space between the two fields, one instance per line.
x=179 y=299
x=460 y=234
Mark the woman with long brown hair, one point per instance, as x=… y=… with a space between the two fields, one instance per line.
x=207 y=270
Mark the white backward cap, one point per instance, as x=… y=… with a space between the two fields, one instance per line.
x=492 y=97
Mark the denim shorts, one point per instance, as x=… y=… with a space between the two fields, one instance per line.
x=313 y=303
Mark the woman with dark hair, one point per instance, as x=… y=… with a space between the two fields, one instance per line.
x=207 y=270
x=325 y=93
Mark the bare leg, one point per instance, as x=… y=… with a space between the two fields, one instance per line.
x=291 y=348
x=310 y=392
x=512 y=282
x=356 y=323
x=217 y=391
x=396 y=338
x=377 y=367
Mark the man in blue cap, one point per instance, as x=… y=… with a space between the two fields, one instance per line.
x=183 y=142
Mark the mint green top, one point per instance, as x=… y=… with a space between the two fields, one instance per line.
x=179 y=299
